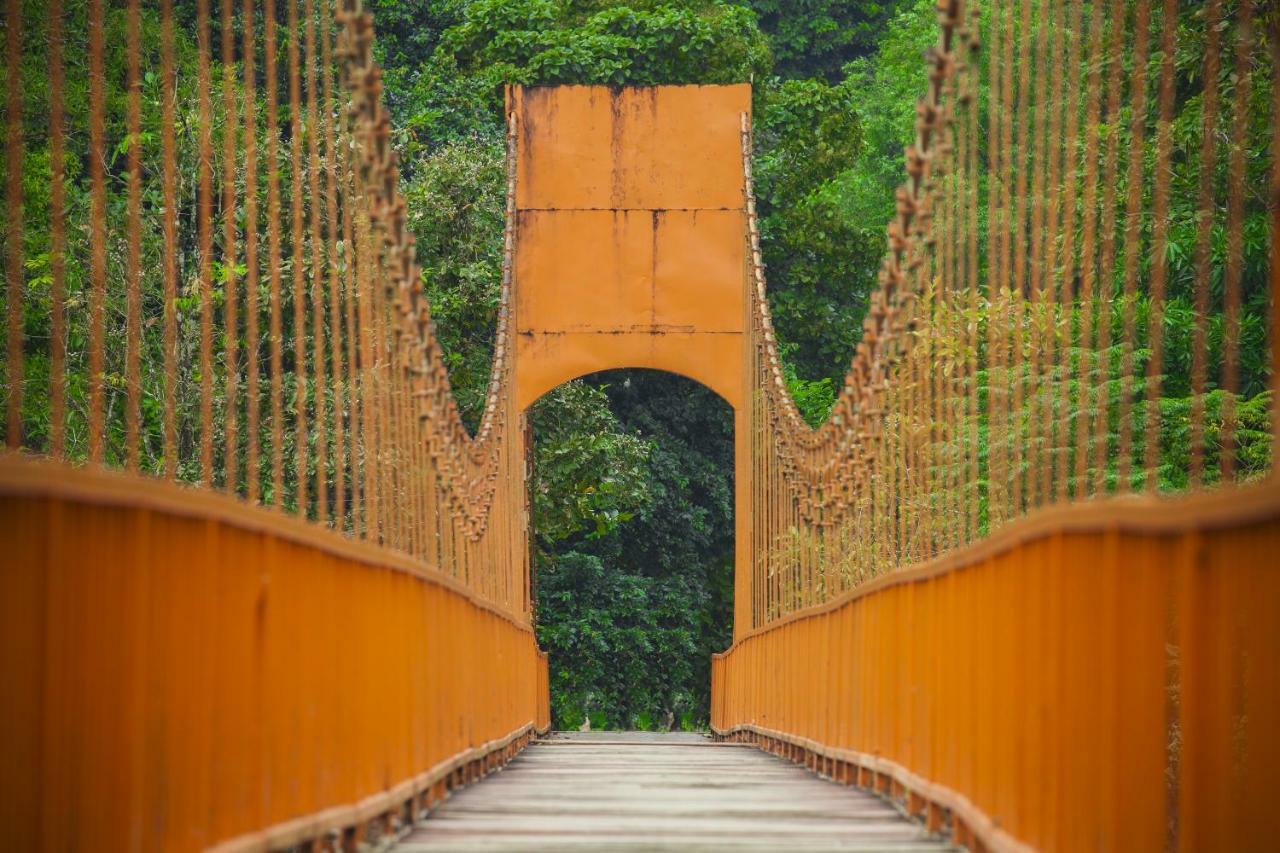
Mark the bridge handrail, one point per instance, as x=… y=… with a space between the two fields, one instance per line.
x=277 y=346
x=1133 y=637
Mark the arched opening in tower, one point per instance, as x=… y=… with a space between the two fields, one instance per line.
x=632 y=527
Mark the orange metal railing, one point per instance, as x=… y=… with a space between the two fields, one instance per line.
x=1098 y=677
x=184 y=672
x=300 y=612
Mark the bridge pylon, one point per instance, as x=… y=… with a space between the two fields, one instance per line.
x=631 y=245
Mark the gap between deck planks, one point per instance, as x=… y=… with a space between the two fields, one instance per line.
x=638 y=791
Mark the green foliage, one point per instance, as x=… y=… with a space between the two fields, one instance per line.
x=815 y=38
x=813 y=397
x=828 y=160
x=456 y=208
x=589 y=474
x=807 y=134
x=1251 y=431
x=820 y=263
x=1070 y=395
x=636 y=43
x=451 y=62
x=888 y=85
x=631 y=617
x=1186 y=133
x=407 y=32
x=622 y=649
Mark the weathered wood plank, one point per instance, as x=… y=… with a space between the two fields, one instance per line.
x=643 y=791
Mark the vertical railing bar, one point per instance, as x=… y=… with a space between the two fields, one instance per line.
x=204 y=215
x=1101 y=408
x=253 y=480
x=133 y=259
x=964 y=453
x=319 y=393
x=350 y=283
x=368 y=379
x=168 y=96
x=97 y=233
x=1205 y=214
x=230 y=259
x=1088 y=264
x=944 y=398
x=1043 y=231
x=1133 y=240
x=1159 y=244
x=1273 y=327
x=973 y=458
x=57 y=237
x=999 y=429
x=335 y=315
x=299 y=279
x=1238 y=140
x=1066 y=259
x=275 y=321
x=16 y=284
x=1021 y=285
x=982 y=364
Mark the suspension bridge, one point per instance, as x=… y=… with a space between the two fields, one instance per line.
x=262 y=589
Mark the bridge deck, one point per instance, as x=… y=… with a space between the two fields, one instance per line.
x=636 y=791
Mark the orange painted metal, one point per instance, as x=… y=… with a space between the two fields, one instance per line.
x=183 y=671
x=1099 y=676
x=630 y=233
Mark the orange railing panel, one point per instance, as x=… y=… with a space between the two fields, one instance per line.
x=1093 y=677
x=185 y=671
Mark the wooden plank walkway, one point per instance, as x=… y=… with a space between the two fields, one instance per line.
x=638 y=791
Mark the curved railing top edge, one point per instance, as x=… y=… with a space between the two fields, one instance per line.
x=28 y=476
x=1197 y=513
